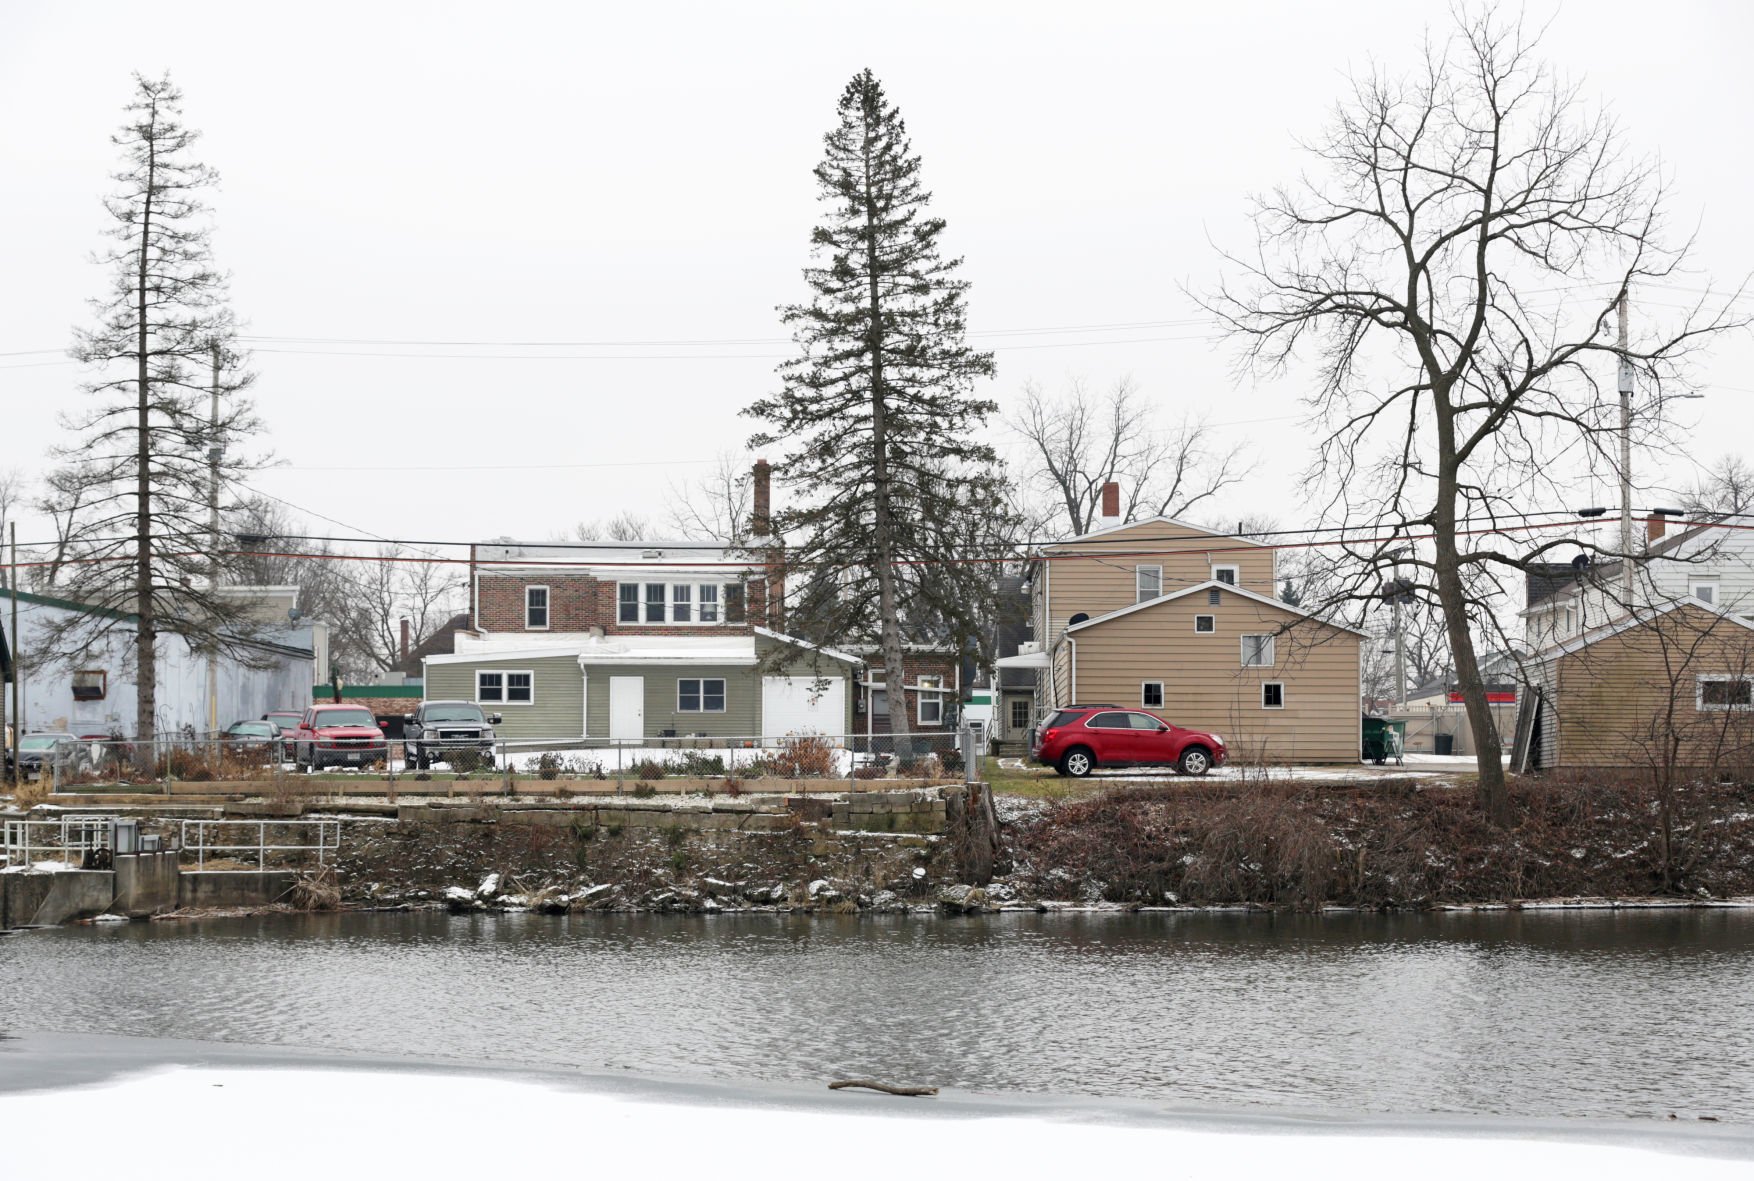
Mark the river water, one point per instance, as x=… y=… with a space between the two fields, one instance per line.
x=1534 y=1013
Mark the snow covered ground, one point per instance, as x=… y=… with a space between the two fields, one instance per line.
x=298 y=1121
x=1415 y=766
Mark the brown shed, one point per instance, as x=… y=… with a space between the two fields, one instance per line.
x=1676 y=682
x=1277 y=683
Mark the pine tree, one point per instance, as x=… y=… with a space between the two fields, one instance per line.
x=884 y=459
x=135 y=488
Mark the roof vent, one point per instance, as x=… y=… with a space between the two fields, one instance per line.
x=651 y=553
x=1077 y=619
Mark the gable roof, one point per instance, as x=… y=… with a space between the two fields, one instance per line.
x=1641 y=618
x=1180 y=524
x=1228 y=589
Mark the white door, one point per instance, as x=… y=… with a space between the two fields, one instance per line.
x=627 y=709
x=803 y=705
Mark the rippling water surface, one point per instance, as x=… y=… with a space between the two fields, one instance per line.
x=1592 y=1013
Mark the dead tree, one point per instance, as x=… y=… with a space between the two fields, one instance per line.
x=1453 y=266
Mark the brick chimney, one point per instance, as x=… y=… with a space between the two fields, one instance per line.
x=405 y=634
x=1111 y=503
x=1653 y=528
x=761 y=507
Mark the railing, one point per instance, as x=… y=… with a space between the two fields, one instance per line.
x=198 y=838
x=70 y=838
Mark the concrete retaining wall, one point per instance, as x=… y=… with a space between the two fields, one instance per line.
x=234 y=888
x=146 y=884
x=43 y=899
x=918 y=811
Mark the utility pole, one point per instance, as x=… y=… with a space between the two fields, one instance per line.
x=1400 y=656
x=213 y=456
x=1625 y=460
x=17 y=665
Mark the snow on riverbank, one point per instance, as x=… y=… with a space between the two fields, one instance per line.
x=376 y=1123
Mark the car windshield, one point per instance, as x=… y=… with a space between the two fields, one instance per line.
x=344 y=717
x=40 y=741
x=453 y=713
x=254 y=729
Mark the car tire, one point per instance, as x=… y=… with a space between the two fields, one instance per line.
x=1196 y=760
x=1078 y=762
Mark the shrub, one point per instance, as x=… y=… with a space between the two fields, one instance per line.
x=649 y=768
x=644 y=791
x=468 y=760
x=548 y=765
x=733 y=786
x=585 y=768
x=807 y=756
x=697 y=764
x=191 y=766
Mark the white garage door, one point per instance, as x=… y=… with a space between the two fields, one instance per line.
x=803 y=705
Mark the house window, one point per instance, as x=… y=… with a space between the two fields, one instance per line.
x=1703 y=589
x=91 y=684
x=1019 y=714
x=931 y=698
x=1151 y=695
x=668 y=602
x=1718 y=694
x=1273 y=695
x=1214 y=597
x=1205 y=625
x=1257 y=651
x=536 y=608
x=1147 y=582
x=700 y=695
x=504 y=687
x=1227 y=574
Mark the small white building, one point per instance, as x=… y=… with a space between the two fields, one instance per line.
x=97 y=694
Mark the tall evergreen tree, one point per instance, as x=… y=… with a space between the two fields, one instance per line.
x=139 y=539
x=884 y=457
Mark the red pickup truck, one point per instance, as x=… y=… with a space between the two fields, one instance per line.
x=337 y=736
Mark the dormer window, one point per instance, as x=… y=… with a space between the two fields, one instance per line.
x=669 y=602
x=1227 y=574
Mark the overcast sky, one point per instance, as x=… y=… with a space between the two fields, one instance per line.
x=641 y=173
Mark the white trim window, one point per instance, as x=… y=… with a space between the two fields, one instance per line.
x=1272 y=694
x=1703 y=589
x=931 y=701
x=1724 y=694
x=700 y=695
x=1227 y=574
x=1151 y=694
x=536 y=608
x=1147 y=583
x=1257 y=651
x=1205 y=625
x=669 y=602
x=1021 y=711
x=502 y=686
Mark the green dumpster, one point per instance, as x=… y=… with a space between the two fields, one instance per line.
x=1384 y=739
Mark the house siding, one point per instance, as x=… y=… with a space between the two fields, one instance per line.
x=1207 y=688
x=742 y=715
x=1612 y=699
x=559 y=693
x=1098 y=577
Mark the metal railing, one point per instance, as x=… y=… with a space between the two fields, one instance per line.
x=198 y=838
x=68 y=838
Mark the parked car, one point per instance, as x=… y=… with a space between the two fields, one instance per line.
x=261 y=737
x=68 y=754
x=337 y=736
x=1080 y=738
x=286 y=719
x=438 y=729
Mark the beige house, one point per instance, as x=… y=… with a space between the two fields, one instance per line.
x=1181 y=620
x=1675 y=684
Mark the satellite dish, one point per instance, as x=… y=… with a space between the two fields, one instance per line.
x=1077 y=619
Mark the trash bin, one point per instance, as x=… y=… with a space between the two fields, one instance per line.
x=1383 y=739
x=1445 y=743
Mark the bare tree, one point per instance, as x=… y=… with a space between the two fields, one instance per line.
x=134 y=493
x=1080 y=441
x=1427 y=266
x=402 y=584
x=1728 y=488
x=12 y=495
x=624 y=526
x=716 y=507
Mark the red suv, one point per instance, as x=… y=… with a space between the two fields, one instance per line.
x=1079 y=738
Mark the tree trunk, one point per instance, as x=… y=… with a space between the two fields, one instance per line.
x=146 y=630
x=1488 y=756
